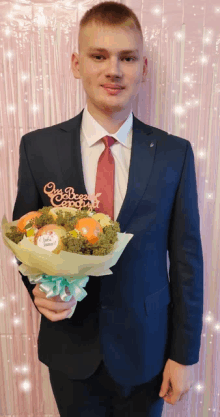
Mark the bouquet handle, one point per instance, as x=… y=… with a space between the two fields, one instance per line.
x=54 y=285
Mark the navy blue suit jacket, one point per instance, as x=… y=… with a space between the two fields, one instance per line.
x=142 y=314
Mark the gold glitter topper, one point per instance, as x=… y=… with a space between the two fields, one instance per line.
x=66 y=199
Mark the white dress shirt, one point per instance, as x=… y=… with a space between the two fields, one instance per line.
x=91 y=148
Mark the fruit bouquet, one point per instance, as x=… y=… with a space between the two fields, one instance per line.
x=60 y=246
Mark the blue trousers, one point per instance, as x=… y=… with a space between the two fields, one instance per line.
x=100 y=396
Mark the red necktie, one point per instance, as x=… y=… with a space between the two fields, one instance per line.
x=105 y=179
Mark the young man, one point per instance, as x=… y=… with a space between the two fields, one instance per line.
x=136 y=333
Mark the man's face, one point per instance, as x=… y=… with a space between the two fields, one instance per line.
x=97 y=68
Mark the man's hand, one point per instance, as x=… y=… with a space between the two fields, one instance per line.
x=52 y=308
x=177 y=380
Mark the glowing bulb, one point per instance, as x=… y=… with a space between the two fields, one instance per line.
x=35 y=108
x=209 y=196
x=9 y=54
x=13 y=261
x=202 y=154
x=186 y=79
x=156 y=10
x=179 y=35
x=2 y=305
x=16 y=321
x=203 y=59
x=7 y=32
x=24 y=77
x=217 y=327
x=207 y=40
x=179 y=110
x=199 y=387
x=24 y=369
x=208 y=318
x=25 y=386
x=11 y=108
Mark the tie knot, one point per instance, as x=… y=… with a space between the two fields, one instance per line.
x=108 y=141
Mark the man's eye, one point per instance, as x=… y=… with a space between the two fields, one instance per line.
x=95 y=56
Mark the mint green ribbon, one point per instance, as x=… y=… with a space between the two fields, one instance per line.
x=53 y=285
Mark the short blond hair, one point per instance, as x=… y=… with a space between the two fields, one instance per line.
x=111 y=14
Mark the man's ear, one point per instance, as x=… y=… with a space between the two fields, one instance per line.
x=145 y=70
x=75 y=65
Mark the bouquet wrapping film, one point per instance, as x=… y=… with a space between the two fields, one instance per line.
x=54 y=272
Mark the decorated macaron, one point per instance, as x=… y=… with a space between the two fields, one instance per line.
x=49 y=237
x=90 y=229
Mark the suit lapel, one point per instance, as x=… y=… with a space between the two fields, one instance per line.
x=142 y=158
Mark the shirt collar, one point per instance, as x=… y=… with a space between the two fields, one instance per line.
x=93 y=131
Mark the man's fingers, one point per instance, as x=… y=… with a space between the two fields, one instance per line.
x=54 y=305
x=53 y=316
x=53 y=308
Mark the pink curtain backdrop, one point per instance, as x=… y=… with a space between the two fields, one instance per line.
x=181 y=96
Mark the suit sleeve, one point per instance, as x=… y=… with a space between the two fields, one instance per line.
x=186 y=268
x=28 y=199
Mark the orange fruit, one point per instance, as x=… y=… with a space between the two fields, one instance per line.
x=89 y=228
x=24 y=220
